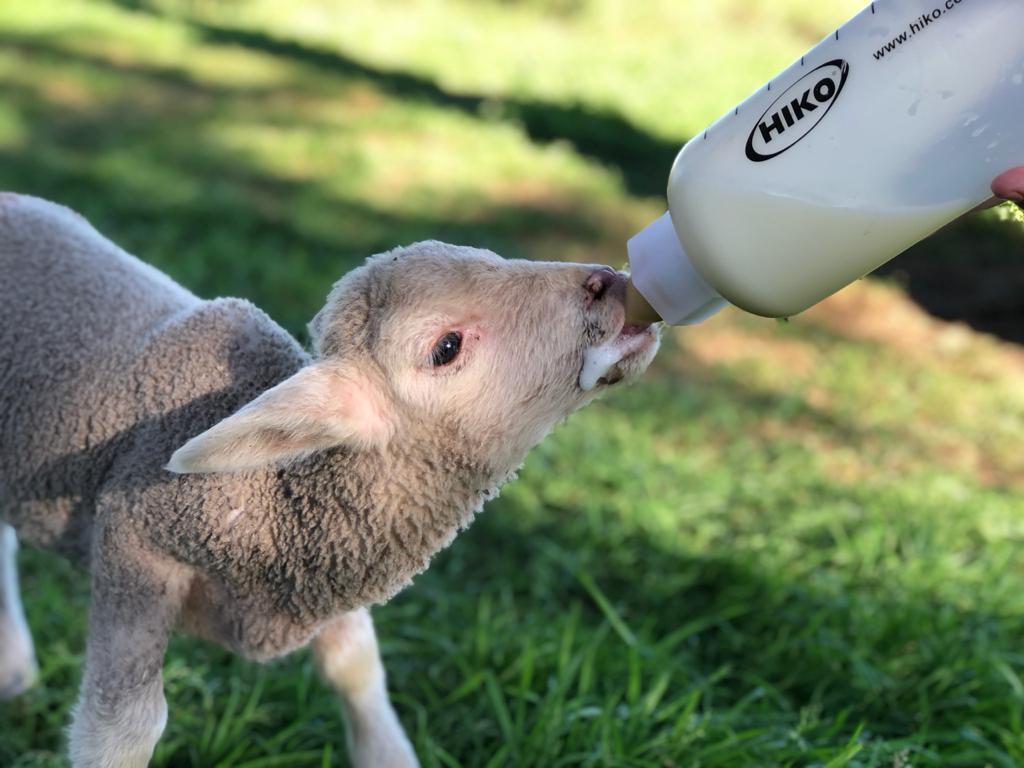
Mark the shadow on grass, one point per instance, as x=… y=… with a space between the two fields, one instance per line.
x=642 y=158
x=148 y=170
x=971 y=271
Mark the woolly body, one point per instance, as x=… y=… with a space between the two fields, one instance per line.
x=97 y=394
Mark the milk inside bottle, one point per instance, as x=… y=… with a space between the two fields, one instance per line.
x=891 y=127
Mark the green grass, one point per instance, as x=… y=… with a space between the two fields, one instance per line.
x=792 y=545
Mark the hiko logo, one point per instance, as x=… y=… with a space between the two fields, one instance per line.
x=797 y=111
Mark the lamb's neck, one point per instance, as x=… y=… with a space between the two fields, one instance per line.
x=364 y=524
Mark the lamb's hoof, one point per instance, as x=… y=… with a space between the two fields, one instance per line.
x=18 y=667
x=16 y=682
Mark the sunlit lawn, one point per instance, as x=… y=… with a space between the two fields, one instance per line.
x=793 y=544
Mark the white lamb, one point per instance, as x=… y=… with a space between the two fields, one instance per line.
x=216 y=479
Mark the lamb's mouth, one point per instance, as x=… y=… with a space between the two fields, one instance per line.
x=624 y=356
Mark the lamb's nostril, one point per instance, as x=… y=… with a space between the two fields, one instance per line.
x=598 y=282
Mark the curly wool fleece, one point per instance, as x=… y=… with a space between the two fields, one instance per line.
x=107 y=367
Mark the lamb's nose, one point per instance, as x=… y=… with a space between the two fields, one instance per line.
x=599 y=282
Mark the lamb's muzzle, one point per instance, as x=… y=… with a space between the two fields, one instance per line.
x=625 y=353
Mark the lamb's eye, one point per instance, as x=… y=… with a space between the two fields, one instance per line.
x=446 y=349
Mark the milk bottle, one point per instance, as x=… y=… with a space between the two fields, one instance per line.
x=891 y=127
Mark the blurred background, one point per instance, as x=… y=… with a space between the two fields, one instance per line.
x=792 y=544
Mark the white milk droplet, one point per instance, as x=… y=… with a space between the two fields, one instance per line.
x=597 y=361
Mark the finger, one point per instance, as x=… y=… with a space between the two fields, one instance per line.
x=1010 y=185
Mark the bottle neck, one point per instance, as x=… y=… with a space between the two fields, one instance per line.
x=665 y=277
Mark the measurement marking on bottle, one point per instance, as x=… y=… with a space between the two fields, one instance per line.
x=872 y=9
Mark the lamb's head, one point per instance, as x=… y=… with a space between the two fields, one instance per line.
x=451 y=347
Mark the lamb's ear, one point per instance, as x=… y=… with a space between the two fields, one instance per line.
x=323 y=405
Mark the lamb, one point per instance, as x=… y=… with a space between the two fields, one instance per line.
x=216 y=479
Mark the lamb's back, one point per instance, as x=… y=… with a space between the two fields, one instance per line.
x=98 y=353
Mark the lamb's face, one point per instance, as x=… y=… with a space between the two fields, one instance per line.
x=452 y=348
x=495 y=350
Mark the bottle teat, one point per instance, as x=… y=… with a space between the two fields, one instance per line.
x=666 y=279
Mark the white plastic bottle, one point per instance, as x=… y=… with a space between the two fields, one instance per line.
x=888 y=129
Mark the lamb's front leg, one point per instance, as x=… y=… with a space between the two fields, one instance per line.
x=347 y=656
x=17 y=658
x=121 y=710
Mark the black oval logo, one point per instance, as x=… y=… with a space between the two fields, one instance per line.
x=797 y=111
